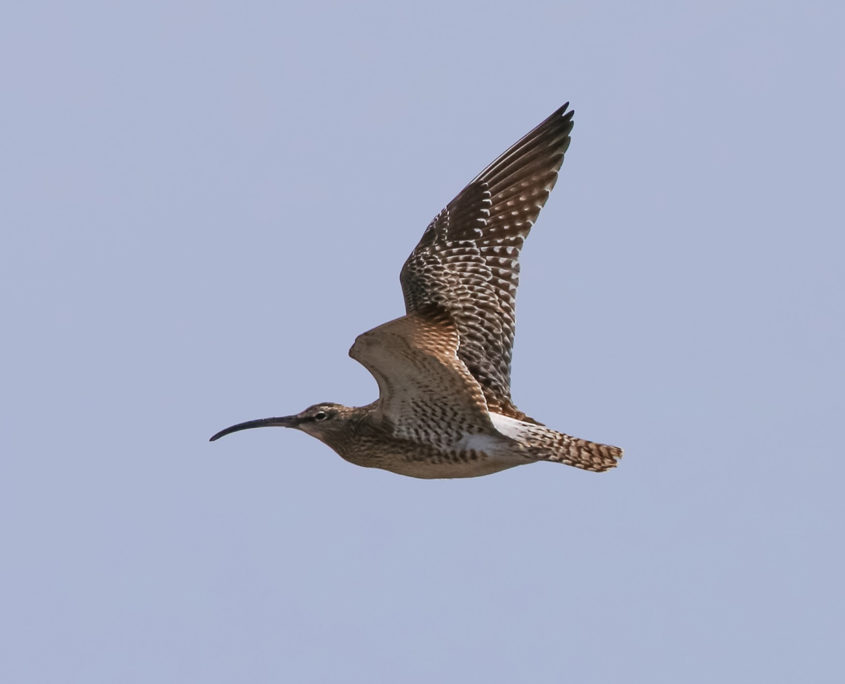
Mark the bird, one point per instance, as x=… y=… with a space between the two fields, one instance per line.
x=443 y=369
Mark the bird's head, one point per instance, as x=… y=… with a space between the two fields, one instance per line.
x=320 y=421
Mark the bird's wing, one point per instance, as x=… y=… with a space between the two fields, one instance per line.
x=425 y=390
x=467 y=262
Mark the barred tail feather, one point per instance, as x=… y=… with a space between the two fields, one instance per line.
x=539 y=442
x=582 y=453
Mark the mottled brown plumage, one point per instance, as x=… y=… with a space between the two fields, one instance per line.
x=443 y=369
x=468 y=258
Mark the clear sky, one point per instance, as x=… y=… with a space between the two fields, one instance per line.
x=204 y=202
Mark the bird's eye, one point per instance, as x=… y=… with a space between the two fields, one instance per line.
x=320 y=415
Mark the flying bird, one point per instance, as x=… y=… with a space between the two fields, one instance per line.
x=443 y=369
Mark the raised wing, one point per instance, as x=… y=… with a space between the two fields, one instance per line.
x=467 y=262
x=426 y=392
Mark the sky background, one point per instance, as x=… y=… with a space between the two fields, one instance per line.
x=203 y=203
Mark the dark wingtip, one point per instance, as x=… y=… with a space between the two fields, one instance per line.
x=563 y=111
x=562 y=119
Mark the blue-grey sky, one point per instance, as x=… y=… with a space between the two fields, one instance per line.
x=204 y=202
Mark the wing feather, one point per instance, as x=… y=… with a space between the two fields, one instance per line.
x=426 y=393
x=467 y=261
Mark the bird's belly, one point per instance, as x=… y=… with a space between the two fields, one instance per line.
x=448 y=468
x=472 y=457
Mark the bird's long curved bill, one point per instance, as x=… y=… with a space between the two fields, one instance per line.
x=284 y=421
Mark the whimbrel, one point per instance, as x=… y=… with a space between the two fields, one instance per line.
x=443 y=370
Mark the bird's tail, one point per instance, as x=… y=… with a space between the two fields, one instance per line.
x=580 y=453
x=536 y=441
